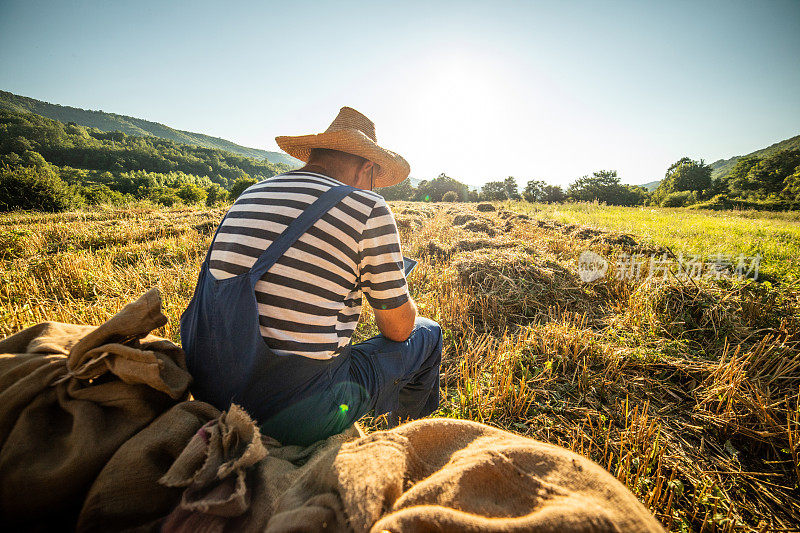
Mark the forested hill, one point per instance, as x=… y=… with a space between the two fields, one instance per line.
x=48 y=165
x=133 y=126
x=721 y=168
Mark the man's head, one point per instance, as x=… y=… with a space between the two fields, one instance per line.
x=350 y=169
x=351 y=133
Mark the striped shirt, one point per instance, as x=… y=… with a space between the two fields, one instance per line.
x=309 y=302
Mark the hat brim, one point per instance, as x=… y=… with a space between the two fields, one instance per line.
x=393 y=168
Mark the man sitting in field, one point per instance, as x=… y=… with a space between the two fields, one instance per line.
x=279 y=295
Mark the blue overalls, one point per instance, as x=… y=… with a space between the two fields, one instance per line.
x=296 y=399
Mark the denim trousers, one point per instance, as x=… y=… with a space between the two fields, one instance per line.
x=400 y=379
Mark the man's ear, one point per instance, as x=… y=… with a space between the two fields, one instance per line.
x=364 y=175
x=364 y=170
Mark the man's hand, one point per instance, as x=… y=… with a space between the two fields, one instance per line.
x=398 y=323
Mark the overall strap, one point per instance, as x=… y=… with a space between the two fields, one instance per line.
x=297 y=228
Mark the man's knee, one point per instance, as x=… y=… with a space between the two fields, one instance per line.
x=429 y=326
x=432 y=334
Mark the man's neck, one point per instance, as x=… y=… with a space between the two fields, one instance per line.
x=319 y=169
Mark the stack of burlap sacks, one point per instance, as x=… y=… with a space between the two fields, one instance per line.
x=97 y=434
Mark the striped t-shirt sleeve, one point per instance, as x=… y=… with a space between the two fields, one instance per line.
x=383 y=281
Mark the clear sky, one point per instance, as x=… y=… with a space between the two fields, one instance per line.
x=478 y=90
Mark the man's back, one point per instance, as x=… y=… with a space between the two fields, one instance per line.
x=269 y=325
x=309 y=302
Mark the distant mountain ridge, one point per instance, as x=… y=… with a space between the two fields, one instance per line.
x=722 y=167
x=134 y=126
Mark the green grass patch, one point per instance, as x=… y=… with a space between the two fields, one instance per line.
x=773 y=235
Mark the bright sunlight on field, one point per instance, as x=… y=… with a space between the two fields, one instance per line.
x=687 y=390
x=776 y=236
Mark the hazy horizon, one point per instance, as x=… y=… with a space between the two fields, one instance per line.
x=549 y=91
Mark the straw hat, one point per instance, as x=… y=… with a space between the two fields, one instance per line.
x=353 y=133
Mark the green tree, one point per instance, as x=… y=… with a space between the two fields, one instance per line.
x=534 y=191
x=737 y=182
x=163 y=195
x=633 y=195
x=36 y=188
x=679 y=199
x=604 y=186
x=684 y=175
x=510 y=185
x=758 y=179
x=553 y=194
x=494 y=190
x=98 y=194
x=401 y=191
x=450 y=196
x=435 y=189
x=771 y=172
x=33 y=159
x=191 y=194
x=791 y=190
x=240 y=185
x=215 y=195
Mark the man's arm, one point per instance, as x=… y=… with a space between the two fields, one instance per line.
x=382 y=279
x=398 y=323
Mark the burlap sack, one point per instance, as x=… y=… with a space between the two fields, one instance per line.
x=70 y=396
x=429 y=475
x=456 y=475
x=126 y=494
x=233 y=475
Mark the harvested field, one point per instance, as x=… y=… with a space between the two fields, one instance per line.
x=687 y=390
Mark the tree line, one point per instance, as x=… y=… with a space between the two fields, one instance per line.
x=49 y=165
x=771 y=182
x=603 y=185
